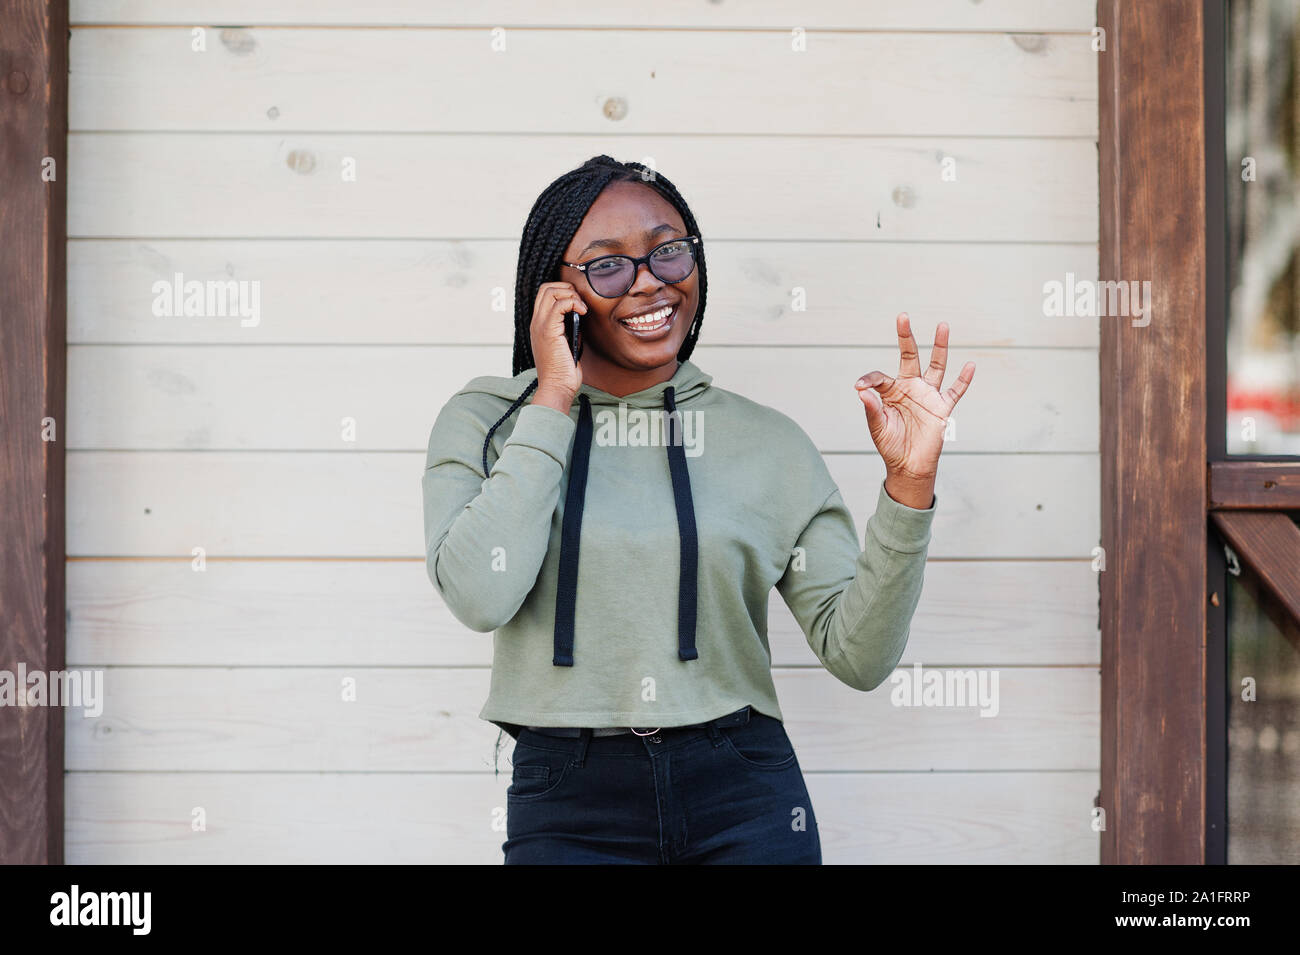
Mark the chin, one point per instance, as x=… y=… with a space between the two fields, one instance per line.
x=650 y=358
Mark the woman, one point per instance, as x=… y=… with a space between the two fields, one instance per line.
x=623 y=550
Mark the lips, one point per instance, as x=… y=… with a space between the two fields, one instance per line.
x=651 y=322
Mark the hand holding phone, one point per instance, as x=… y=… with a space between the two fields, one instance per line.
x=557 y=340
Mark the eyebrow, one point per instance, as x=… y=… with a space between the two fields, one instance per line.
x=617 y=243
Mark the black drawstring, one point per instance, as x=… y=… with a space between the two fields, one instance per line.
x=686 y=587
x=566 y=588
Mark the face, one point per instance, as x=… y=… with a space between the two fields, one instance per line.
x=630 y=218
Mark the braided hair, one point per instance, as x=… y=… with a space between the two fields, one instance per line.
x=550 y=227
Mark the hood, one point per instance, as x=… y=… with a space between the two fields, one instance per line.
x=686 y=384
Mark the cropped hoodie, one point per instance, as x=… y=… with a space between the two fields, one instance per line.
x=623 y=553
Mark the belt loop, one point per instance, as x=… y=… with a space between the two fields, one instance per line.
x=715 y=734
x=584 y=738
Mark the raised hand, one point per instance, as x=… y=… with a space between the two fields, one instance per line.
x=906 y=415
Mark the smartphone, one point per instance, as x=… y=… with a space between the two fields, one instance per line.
x=573 y=333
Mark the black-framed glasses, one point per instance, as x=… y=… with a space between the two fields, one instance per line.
x=612 y=275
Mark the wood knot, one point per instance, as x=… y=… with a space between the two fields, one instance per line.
x=1030 y=42
x=615 y=108
x=301 y=161
x=238 y=41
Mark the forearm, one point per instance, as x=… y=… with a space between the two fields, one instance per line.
x=855 y=602
x=866 y=637
x=484 y=548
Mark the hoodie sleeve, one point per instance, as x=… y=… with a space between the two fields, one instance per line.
x=485 y=540
x=855 y=606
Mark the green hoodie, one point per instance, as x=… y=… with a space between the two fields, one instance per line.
x=748 y=500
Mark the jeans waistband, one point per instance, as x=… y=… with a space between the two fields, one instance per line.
x=737 y=718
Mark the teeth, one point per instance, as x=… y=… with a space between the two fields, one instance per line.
x=651 y=320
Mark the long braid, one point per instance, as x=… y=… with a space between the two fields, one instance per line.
x=549 y=229
x=500 y=421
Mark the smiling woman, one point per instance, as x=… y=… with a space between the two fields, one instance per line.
x=627 y=589
x=628 y=222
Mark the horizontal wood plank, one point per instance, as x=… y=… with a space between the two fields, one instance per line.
x=474 y=186
x=376 y=818
x=403 y=719
x=1254 y=485
x=551 y=81
x=326 y=613
x=269 y=504
x=219 y=398
x=928 y=15
x=462 y=292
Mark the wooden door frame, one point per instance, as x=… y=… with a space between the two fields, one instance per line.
x=1169 y=488
x=1151 y=142
x=33 y=330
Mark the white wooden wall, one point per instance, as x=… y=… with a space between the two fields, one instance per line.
x=818 y=169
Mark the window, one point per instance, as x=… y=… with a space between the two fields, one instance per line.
x=1262 y=194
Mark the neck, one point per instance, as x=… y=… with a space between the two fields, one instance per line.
x=618 y=381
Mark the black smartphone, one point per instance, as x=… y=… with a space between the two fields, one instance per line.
x=573 y=333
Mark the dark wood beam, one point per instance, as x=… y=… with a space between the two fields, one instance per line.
x=1254 y=485
x=33 y=341
x=1153 y=445
x=1269 y=543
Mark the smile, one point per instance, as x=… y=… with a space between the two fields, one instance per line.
x=652 y=322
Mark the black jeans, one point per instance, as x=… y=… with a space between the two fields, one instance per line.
x=728 y=793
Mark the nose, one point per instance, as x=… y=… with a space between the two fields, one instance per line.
x=645 y=280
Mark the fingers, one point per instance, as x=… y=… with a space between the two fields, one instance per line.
x=909 y=358
x=560 y=297
x=953 y=394
x=874 y=379
x=938 y=357
x=554 y=300
x=570 y=298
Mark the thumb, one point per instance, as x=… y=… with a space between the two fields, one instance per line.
x=875 y=410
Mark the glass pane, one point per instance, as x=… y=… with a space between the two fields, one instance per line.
x=1263 y=197
x=1263 y=732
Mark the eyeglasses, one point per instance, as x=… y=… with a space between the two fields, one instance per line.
x=612 y=275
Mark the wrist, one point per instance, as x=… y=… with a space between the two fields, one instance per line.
x=913 y=491
x=556 y=398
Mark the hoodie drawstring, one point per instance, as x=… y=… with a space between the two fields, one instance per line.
x=566 y=588
x=686 y=586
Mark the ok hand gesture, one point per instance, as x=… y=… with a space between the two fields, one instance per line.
x=906 y=415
